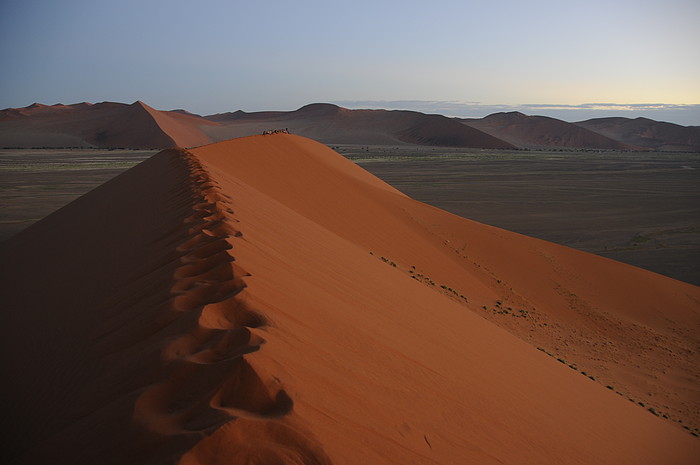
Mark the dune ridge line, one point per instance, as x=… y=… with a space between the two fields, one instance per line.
x=214 y=352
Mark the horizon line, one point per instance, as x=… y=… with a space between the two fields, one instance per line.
x=681 y=114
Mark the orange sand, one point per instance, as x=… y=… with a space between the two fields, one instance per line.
x=264 y=300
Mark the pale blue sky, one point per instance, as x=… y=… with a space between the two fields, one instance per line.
x=215 y=56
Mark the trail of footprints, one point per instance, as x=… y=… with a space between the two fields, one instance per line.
x=209 y=382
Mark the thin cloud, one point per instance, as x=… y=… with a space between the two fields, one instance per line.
x=687 y=115
x=612 y=106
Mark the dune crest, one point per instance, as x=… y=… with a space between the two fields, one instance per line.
x=211 y=380
x=265 y=300
x=184 y=129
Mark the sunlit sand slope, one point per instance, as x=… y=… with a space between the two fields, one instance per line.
x=264 y=300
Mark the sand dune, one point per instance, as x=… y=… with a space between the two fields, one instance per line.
x=184 y=129
x=647 y=133
x=140 y=126
x=541 y=132
x=264 y=300
x=332 y=124
x=137 y=125
x=104 y=125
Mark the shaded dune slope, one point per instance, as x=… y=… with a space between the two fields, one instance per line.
x=184 y=129
x=222 y=306
x=147 y=340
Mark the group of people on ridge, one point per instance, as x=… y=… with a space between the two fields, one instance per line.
x=275 y=131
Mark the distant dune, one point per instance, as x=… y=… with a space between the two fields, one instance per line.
x=101 y=125
x=331 y=124
x=647 y=133
x=140 y=126
x=264 y=300
x=185 y=130
x=541 y=132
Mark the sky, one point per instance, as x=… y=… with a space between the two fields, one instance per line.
x=568 y=59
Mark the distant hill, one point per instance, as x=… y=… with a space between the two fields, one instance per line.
x=110 y=124
x=137 y=125
x=332 y=124
x=106 y=124
x=542 y=132
x=647 y=133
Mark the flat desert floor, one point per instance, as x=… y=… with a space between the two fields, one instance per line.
x=639 y=208
x=34 y=183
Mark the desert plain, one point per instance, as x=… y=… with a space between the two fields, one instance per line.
x=641 y=208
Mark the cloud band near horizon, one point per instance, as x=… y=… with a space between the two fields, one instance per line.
x=683 y=114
